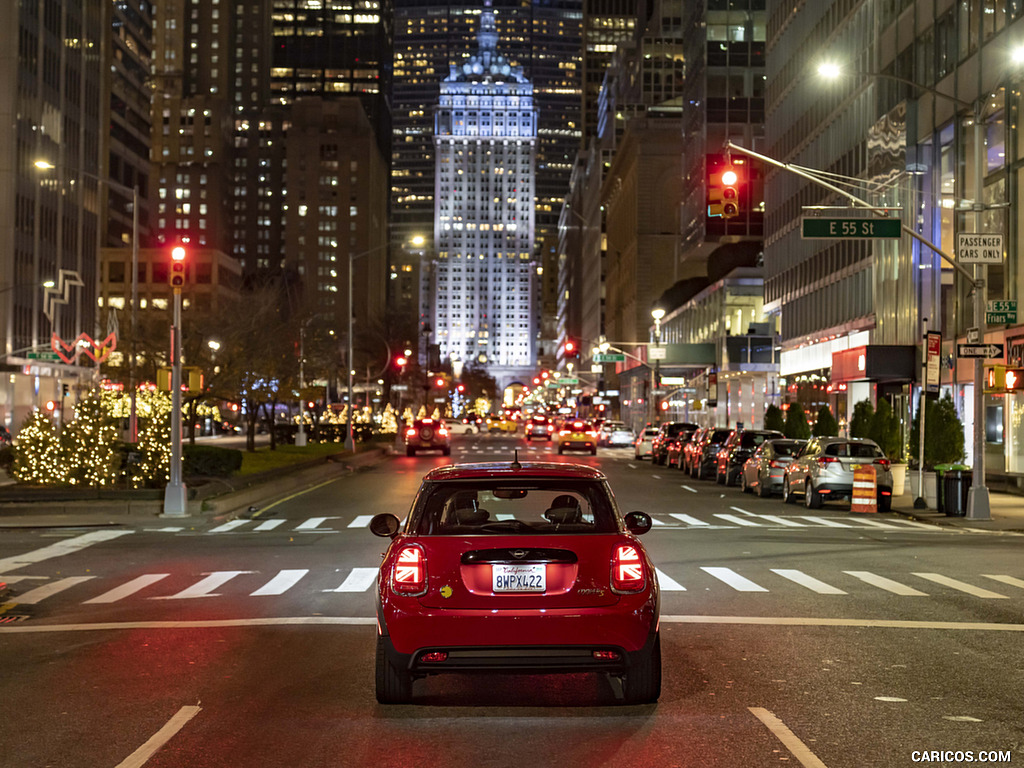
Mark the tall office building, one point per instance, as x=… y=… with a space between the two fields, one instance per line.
x=484 y=273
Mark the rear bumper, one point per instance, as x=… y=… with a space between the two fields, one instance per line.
x=580 y=445
x=842 y=490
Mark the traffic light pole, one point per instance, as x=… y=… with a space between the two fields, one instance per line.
x=175 y=493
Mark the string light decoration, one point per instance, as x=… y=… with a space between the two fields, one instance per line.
x=151 y=462
x=89 y=445
x=37 y=453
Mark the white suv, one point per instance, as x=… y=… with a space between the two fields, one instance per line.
x=644 y=442
x=823 y=470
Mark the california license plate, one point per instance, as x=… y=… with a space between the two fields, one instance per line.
x=518 y=578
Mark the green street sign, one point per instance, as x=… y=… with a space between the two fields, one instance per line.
x=815 y=228
x=566 y=380
x=1000 y=318
x=47 y=356
x=610 y=357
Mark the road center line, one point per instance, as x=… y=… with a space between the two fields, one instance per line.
x=799 y=750
x=142 y=754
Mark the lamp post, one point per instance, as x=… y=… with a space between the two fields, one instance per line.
x=300 y=437
x=978 y=506
x=175 y=492
x=133 y=420
x=657 y=313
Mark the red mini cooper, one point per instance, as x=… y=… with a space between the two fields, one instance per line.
x=513 y=567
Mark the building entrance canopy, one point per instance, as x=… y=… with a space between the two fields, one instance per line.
x=874 y=362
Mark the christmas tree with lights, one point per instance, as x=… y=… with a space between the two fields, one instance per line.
x=89 y=445
x=37 y=452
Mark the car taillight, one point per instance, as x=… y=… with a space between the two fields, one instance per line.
x=410 y=432
x=627 y=569
x=442 y=431
x=410 y=574
x=563 y=433
x=550 y=428
x=883 y=462
x=825 y=460
x=776 y=464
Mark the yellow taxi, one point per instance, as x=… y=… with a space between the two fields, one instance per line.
x=577 y=435
x=501 y=424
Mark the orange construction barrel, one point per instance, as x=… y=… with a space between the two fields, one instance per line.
x=865 y=489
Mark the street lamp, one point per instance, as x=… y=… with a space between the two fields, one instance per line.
x=175 y=493
x=978 y=507
x=657 y=313
x=133 y=419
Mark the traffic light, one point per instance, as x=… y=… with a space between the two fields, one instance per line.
x=439 y=382
x=401 y=361
x=723 y=187
x=730 y=193
x=999 y=379
x=1014 y=379
x=571 y=349
x=177 y=274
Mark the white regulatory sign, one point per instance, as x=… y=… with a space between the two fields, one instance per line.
x=979 y=248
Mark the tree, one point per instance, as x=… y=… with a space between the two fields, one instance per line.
x=796 y=423
x=885 y=430
x=825 y=425
x=943 y=434
x=774 y=418
x=860 y=424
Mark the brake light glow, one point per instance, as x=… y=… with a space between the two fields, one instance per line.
x=823 y=460
x=606 y=655
x=883 y=462
x=776 y=464
x=627 y=569
x=442 y=431
x=410 y=574
x=434 y=656
x=410 y=432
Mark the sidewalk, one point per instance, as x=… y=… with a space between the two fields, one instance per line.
x=65 y=511
x=1007 y=512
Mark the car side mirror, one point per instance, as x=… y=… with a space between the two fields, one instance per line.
x=385 y=524
x=638 y=523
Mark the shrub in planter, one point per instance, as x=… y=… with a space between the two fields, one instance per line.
x=885 y=430
x=796 y=423
x=825 y=425
x=210 y=461
x=860 y=422
x=774 y=418
x=943 y=434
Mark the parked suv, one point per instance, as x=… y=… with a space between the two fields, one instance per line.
x=690 y=450
x=763 y=472
x=737 y=448
x=824 y=470
x=666 y=432
x=642 y=446
x=705 y=454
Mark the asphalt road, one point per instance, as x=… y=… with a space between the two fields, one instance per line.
x=830 y=639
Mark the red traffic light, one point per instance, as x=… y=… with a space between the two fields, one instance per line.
x=461 y=388
x=401 y=361
x=571 y=348
x=176 y=278
x=50 y=405
x=439 y=382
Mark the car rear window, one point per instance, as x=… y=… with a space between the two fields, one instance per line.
x=523 y=507
x=753 y=439
x=720 y=435
x=853 y=450
x=787 y=449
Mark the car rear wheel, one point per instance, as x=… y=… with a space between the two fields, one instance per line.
x=743 y=483
x=720 y=478
x=812 y=499
x=642 y=682
x=762 y=489
x=787 y=494
x=884 y=503
x=394 y=686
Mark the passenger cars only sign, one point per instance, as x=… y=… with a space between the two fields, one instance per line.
x=979 y=248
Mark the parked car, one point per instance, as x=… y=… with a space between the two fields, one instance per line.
x=737 y=448
x=5 y=436
x=824 y=469
x=462 y=427
x=705 y=454
x=427 y=435
x=690 y=450
x=676 y=447
x=539 y=428
x=614 y=433
x=667 y=431
x=763 y=471
x=516 y=568
x=577 y=435
x=642 y=444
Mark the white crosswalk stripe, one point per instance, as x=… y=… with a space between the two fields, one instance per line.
x=733 y=579
x=361 y=521
x=126 y=590
x=359 y=580
x=313 y=523
x=738 y=520
x=230 y=525
x=782 y=521
x=813 y=584
x=1012 y=581
x=37 y=595
x=281 y=583
x=687 y=519
x=829 y=523
x=887 y=584
x=667 y=583
x=205 y=587
x=269 y=525
x=963 y=586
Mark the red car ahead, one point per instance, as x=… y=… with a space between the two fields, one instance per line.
x=513 y=567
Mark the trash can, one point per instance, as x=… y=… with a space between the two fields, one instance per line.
x=940 y=491
x=956 y=483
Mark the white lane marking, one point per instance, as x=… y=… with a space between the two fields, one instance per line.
x=687 y=519
x=825 y=521
x=165 y=529
x=656 y=522
x=887 y=584
x=733 y=579
x=358 y=580
x=782 y=521
x=204 y=587
x=281 y=583
x=688 y=488
x=313 y=522
x=1012 y=581
x=20 y=577
x=789 y=740
x=876 y=524
x=632 y=465
x=963 y=586
x=141 y=755
x=810 y=582
x=505 y=516
x=129 y=588
x=962 y=719
x=230 y=525
x=269 y=525
x=656 y=477
x=370 y=621
x=894 y=699
x=738 y=520
x=743 y=512
x=38 y=594
x=667 y=583
x=361 y=521
x=59 y=549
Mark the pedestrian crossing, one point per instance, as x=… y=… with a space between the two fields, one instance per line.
x=670 y=520
x=233 y=584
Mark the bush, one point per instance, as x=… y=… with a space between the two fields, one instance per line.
x=825 y=425
x=796 y=423
x=860 y=423
x=885 y=430
x=210 y=461
x=943 y=434
x=774 y=418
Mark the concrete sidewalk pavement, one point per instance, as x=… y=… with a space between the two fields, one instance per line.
x=1007 y=512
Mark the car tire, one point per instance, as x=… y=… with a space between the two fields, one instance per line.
x=884 y=503
x=393 y=686
x=410 y=451
x=642 y=682
x=446 y=451
x=720 y=478
x=743 y=483
x=812 y=499
x=762 y=489
x=787 y=494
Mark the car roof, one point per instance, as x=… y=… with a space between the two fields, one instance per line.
x=510 y=470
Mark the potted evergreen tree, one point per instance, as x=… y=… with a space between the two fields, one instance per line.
x=885 y=430
x=825 y=425
x=796 y=423
x=774 y=418
x=860 y=423
x=943 y=444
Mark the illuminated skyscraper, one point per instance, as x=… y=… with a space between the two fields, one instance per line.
x=484 y=275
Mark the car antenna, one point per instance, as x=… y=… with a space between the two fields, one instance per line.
x=515 y=460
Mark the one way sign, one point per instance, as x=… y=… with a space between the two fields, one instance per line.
x=987 y=351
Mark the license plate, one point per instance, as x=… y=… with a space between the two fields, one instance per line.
x=518 y=578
